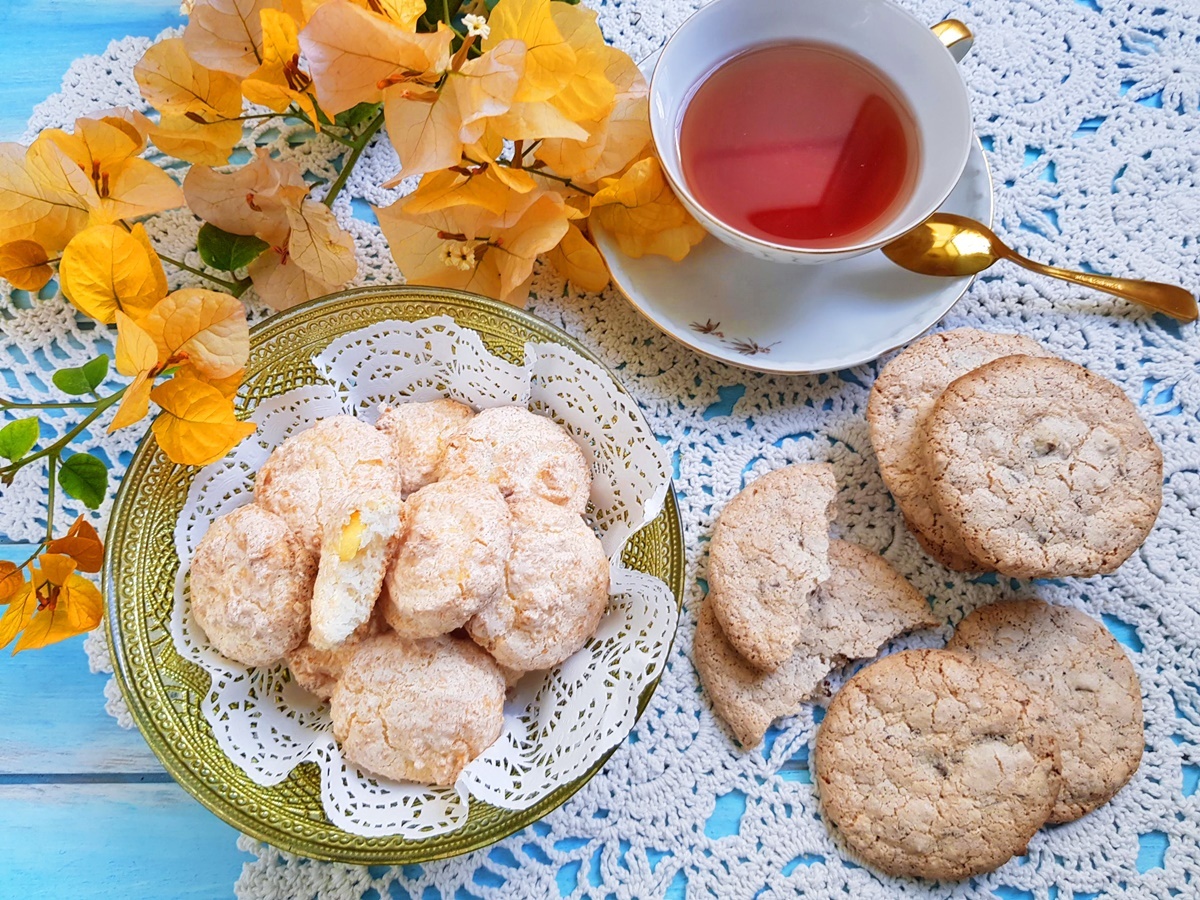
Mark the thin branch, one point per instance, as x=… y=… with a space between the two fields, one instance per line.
x=50 y=499
x=231 y=285
x=61 y=444
x=79 y=404
x=360 y=144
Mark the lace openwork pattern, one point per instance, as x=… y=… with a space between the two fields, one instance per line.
x=1090 y=113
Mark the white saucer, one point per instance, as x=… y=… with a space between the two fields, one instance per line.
x=779 y=317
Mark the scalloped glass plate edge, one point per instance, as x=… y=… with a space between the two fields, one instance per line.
x=289 y=815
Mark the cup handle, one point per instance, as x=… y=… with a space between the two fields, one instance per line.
x=956 y=37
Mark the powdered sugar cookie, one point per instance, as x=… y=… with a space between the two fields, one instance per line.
x=525 y=455
x=316 y=470
x=556 y=594
x=417 y=710
x=451 y=560
x=251 y=583
x=420 y=432
x=318 y=671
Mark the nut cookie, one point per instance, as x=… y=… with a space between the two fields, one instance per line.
x=933 y=765
x=902 y=398
x=1093 y=692
x=312 y=472
x=746 y=699
x=769 y=552
x=356 y=551
x=556 y=592
x=251 y=584
x=525 y=455
x=451 y=562
x=1044 y=468
x=420 y=432
x=417 y=710
x=864 y=604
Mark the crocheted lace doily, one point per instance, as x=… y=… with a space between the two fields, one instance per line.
x=1090 y=113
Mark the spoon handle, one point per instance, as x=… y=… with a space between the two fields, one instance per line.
x=1166 y=298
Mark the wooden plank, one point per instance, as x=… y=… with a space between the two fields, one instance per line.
x=113 y=840
x=39 y=39
x=55 y=722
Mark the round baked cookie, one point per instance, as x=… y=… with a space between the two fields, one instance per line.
x=525 y=455
x=769 y=552
x=556 y=594
x=420 y=432
x=314 y=472
x=864 y=603
x=318 y=671
x=451 y=563
x=933 y=765
x=251 y=586
x=417 y=710
x=901 y=400
x=1044 y=468
x=747 y=699
x=1093 y=692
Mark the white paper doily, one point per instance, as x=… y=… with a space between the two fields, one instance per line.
x=1090 y=114
x=556 y=724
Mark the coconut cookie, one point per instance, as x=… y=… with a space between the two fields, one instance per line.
x=356 y=551
x=902 y=398
x=314 y=471
x=251 y=583
x=556 y=593
x=769 y=552
x=417 y=710
x=1044 y=468
x=933 y=765
x=1093 y=692
x=420 y=433
x=864 y=603
x=523 y=454
x=746 y=699
x=451 y=562
x=318 y=671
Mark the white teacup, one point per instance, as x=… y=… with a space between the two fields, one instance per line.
x=918 y=60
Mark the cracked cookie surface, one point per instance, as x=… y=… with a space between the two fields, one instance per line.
x=251 y=586
x=1045 y=469
x=523 y=454
x=901 y=400
x=769 y=552
x=417 y=710
x=310 y=475
x=932 y=765
x=420 y=433
x=1078 y=667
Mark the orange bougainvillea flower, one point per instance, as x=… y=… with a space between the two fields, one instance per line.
x=25 y=264
x=54 y=605
x=252 y=199
x=279 y=81
x=197 y=425
x=82 y=544
x=354 y=54
x=317 y=257
x=644 y=215
x=577 y=260
x=227 y=35
x=105 y=269
x=199 y=106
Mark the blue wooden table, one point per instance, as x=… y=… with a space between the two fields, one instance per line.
x=85 y=808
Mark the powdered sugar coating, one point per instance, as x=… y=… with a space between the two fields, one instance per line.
x=420 y=433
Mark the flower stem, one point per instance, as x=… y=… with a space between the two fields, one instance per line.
x=58 y=446
x=50 y=499
x=358 y=146
x=78 y=404
x=231 y=285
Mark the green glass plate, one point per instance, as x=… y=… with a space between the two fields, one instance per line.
x=164 y=691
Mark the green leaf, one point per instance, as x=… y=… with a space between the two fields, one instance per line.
x=226 y=251
x=85 y=478
x=356 y=115
x=17 y=438
x=82 y=379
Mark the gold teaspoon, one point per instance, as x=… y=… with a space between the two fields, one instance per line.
x=946 y=244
